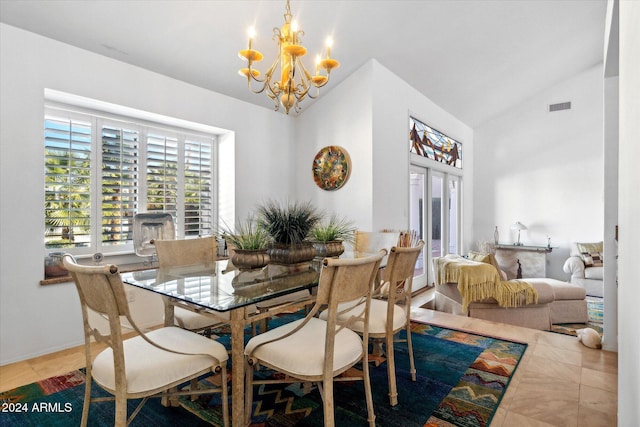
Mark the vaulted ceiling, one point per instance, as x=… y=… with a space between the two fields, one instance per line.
x=474 y=58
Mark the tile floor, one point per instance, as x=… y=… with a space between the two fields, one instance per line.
x=559 y=382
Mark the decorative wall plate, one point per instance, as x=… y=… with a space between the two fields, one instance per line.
x=331 y=167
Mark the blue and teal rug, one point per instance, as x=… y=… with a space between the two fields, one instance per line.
x=461 y=379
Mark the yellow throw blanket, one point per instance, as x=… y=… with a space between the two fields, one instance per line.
x=478 y=281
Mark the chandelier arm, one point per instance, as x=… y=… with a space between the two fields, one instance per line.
x=273 y=92
x=265 y=81
x=304 y=75
x=307 y=75
x=311 y=95
x=306 y=83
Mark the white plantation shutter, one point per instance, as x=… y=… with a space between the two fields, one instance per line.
x=120 y=151
x=162 y=174
x=67 y=182
x=198 y=188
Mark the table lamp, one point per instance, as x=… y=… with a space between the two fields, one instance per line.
x=518 y=226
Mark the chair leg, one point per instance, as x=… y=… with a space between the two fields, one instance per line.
x=306 y=387
x=121 y=410
x=412 y=363
x=327 y=402
x=264 y=325
x=87 y=398
x=174 y=401
x=368 y=395
x=391 y=371
x=225 y=396
x=248 y=391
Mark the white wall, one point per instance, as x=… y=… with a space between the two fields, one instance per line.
x=340 y=117
x=394 y=101
x=611 y=152
x=37 y=319
x=629 y=213
x=544 y=170
x=368 y=114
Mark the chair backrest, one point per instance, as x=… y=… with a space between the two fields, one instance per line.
x=186 y=252
x=372 y=242
x=345 y=280
x=100 y=288
x=398 y=273
x=348 y=279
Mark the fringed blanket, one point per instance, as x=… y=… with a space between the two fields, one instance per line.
x=478 y=281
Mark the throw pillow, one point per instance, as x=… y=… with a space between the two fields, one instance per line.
x=488 y=258
x=591 y=253
x=479 y=256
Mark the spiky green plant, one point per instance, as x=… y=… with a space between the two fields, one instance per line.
x=288 y=223
x=247 y=235
x=334 y=228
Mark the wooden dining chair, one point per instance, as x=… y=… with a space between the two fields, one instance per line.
x=390 y=309
x=172 y=253
x=321 y=351
x=149 y=365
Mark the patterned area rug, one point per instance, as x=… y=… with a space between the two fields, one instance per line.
x=461 y=380
x=595 y=306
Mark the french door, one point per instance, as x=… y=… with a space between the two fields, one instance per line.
x=434 y=214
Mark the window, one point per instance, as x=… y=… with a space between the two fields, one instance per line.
x=435 y=198
x=428 y=142
x=101 y=170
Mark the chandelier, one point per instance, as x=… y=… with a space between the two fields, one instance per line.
x=294 y=82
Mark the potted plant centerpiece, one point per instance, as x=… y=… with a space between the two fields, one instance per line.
x=328 y=236
x=289 y=225
x=249 y=242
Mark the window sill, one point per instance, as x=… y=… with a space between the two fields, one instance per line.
x=124 y=268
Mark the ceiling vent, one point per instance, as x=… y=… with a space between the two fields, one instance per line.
x=560 y=106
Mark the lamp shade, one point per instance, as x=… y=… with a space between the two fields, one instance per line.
x=518 y=226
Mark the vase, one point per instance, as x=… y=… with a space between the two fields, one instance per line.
x=247 y=259
x=331 y=249
x=287 y=254
x=496 y=236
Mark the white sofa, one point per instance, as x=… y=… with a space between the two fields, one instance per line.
x=590 y=277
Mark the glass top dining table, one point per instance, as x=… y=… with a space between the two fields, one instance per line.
x=215 y=288
x=220 y=287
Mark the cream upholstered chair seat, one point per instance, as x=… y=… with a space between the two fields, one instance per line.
x=193 y=321
x=150 y=368
x=377 y=316
x=310 y=338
